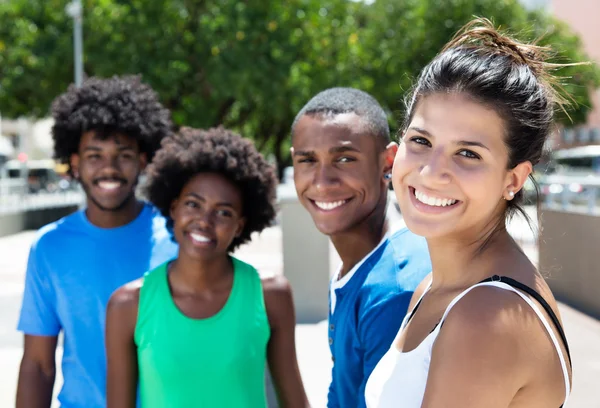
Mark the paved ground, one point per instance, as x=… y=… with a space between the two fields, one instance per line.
x=313 y=353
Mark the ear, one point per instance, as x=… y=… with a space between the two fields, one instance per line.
x=241 y=225
x=172 y=208
x=74 y=162
x=291 y=151
x=389 y=154
x=516 y=178
x=143 y=157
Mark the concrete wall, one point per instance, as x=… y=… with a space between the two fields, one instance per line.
x=12 y=223
x=569 y=249
x=305 y=259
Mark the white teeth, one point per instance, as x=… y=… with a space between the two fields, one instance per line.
x=199 y=238
x=434 y=202
x=329 y=206
x=109 y=185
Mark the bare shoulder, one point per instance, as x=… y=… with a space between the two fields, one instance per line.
x=127 y=296
x=122 y=310
x=495 y=327
x=486 y=327
x=487 y=309
x=277 y=285
x=498 y=324
x=278 y=300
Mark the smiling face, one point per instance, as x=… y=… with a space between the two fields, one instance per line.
x=339 y=169
x=207 y=216
x=450 y=173
x=108 y=169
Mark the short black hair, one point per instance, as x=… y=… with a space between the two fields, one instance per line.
x=335 y=101
x=109 y=106
x=218 y=150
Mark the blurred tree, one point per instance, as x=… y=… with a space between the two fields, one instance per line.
x=404 y=36
x=251 y=65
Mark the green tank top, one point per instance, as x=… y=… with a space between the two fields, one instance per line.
x=202 y=363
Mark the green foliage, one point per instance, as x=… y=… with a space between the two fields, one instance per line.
x=251 y=65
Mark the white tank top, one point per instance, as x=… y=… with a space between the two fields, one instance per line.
x=399 y=378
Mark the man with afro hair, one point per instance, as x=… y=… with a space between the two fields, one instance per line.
x=107 y=130
x=197 y=331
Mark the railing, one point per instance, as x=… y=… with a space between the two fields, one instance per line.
x=14 y=202
x=580 y=194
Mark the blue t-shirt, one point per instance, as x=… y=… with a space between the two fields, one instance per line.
x=369 y=310
x=73 y=268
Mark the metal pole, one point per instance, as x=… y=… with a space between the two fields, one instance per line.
x=75 y=10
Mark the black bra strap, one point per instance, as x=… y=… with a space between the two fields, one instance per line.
x=414 y=311
x=533 y=293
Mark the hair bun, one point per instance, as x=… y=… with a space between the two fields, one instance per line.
x=481 y=33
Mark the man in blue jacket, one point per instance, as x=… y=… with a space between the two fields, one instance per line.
x=343 y=156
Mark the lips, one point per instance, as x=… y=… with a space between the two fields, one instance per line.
x=329 y=205
x=109 y=184
x=201 y=238
x=434 y=201
x=427 y=203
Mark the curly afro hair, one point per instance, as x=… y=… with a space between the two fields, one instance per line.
x=217 y=150
x=108 y=106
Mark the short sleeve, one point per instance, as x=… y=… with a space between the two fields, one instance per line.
x=38 y=309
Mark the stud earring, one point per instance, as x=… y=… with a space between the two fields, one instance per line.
x=511 y=194
x=388 y=176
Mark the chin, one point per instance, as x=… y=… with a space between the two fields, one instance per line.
x=428 y=229
x=113 y=203
x=329 y=228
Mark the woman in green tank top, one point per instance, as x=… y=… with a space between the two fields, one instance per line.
x=198 y=331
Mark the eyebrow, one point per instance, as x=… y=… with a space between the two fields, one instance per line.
x=461 y=143
x=200 y=198
x=98 y=149
x=303 y=153
x=343 y=149
x=336 y=149
x=471 y=143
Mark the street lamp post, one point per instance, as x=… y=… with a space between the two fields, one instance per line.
x=75 y=10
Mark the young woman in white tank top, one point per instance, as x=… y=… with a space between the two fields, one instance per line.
x=483 y=330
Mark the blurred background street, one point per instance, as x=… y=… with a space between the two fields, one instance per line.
x=250 y=66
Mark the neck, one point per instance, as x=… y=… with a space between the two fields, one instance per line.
x=472 y=259
x=198 y=275
x=354 y=244
x=113 y=219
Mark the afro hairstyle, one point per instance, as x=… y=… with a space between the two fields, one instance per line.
x=109 y=106
x=335 y=101
x=217 y=150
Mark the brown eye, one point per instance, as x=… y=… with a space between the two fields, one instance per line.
x=469 y=154
x=191 y=204
x=420 y=140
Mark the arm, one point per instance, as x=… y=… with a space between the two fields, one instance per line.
x=121 y=352
x=40 y=324
x=37 y=372
x=477 y=359
x=281 y=351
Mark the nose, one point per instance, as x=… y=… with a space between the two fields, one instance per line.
x=204 y=219
x=435 y=168
x=325 y=177
x=111 y=167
